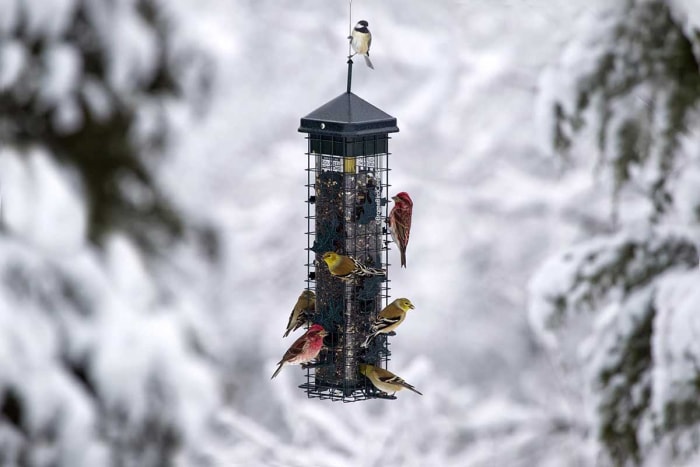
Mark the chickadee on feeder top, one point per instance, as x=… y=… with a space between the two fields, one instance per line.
x=361 y=40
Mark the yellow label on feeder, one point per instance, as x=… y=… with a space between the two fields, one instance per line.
x=349 y=164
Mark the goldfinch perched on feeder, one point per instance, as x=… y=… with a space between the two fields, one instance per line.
x=385 y=380
x=400 y=222
x=304 y=349
x=389 y=318
x=360 y=40
x=348 y=268
x=306 y=303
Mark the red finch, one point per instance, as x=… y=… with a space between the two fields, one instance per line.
x=304 y=349
x=400 y=222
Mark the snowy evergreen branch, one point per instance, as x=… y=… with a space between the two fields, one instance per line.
x=622 y=302
x=585 y=278
x=640 y=96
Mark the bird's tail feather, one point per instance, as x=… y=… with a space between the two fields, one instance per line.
x=369 y=62
x=408 y=386
x=279 y=368
x=403 y=258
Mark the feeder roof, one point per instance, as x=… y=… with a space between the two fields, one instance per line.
x=348 y=115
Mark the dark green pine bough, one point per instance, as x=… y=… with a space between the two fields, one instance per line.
x=111 y=161
x=649 y=59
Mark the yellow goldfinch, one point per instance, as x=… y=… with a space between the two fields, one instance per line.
x=348 y=268
x=389 y=318
x=306 y=304
x=385 y=380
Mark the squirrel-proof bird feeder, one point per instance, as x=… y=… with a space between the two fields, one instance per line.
x=348 y=181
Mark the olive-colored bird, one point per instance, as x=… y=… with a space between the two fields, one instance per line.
x=306 y=304
x=348 y=268
x=389 y=318
x=385 y=380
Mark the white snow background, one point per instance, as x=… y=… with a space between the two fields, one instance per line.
x=467 y=82
x=462 y=79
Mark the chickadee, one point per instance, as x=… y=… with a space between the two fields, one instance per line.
x=360 y=40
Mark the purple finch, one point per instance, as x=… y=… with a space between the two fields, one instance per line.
x=400 y=222
x=304 y=349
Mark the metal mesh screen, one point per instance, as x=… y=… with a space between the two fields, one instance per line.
x=348 y=181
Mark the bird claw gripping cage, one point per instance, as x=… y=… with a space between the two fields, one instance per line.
x=348 y=182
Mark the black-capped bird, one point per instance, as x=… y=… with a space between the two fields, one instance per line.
x=361 y=40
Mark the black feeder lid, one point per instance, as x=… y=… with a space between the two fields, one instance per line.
x=348 y=115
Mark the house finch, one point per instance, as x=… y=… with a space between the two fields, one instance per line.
x=306 y=303
x=389 y=318
x=385 y=380
x=400 y=222
x=361 y=40
x=304 y=349
x=348 y=268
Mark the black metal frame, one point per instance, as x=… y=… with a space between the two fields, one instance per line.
x=347 y=208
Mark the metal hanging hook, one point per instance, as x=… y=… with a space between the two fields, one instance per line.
x=349 y=46
x=349 y=28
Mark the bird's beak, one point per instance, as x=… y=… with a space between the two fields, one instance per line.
x=323 y=333
x=411 y=306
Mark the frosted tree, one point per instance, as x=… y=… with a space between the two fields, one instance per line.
x=620 y=308
x=103 y=362
x=92 y=83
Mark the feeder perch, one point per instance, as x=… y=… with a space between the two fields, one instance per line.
x=348 y=181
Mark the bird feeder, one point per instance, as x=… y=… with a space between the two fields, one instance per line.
x=348 y=181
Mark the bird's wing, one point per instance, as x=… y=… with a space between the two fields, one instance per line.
x=402 y=230
x=393 y=318
x=391 y=311
x=293 y=318
x=297 y=348
x=346 y=266
x=362 y=270
x=401 y=225
x=385 y=322
x=389 y=378
x=356 y=264
x=399 y=230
